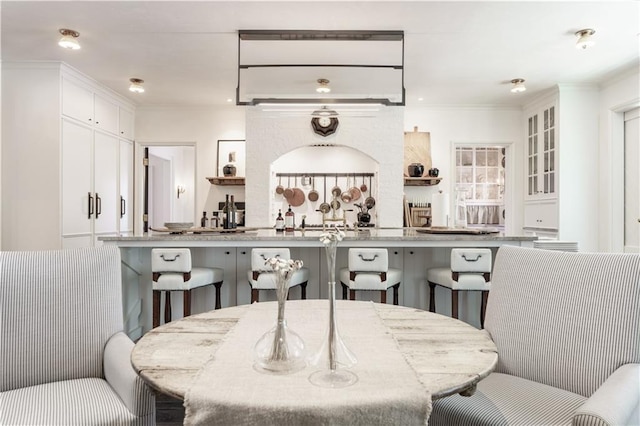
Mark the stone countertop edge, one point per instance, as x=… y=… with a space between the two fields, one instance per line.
x=269 y=234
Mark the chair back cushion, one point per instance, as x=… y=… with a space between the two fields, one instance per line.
x=471 y=260
x=564 y=319
x=260 y=255
x=58 y=309
x=368 y=260
x=171 y=260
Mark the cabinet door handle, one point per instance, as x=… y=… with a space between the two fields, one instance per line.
x=98 y=205
x=90 y=209
x=123 y=206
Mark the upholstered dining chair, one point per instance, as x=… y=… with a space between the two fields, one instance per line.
x=261 y=276
x=470 y=270
x=64 y=357
x=172 y=271
x=567 y=329
x=369 y=270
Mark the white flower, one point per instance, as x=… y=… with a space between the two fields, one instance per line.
x=334 y=236
x=283 y=265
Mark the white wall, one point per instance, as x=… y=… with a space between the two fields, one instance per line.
x=617 y=95
x=449 y=125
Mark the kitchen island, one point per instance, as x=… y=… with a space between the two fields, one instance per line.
x=410 y=249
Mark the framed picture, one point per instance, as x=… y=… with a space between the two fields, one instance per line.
x=231 y=158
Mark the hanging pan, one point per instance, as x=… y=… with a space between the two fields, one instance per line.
x=279 y=188
x=313 y=194
x=288 y=193
x=325 y=207
x=298 y=197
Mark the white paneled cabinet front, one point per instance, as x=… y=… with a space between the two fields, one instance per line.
x=125 y=209
x=105 y=166
x=77 y=186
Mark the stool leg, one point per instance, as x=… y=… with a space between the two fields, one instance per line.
x=352 y=294
x=483 y=308
x=383 y=296
x=454 y=304
x=395 y=293
x=254 y=295
x=167 y=306
x=156 y=308
x=432 y=297
x=344 y=291
x=186 y=303
x=303 y=290
x=218 y=286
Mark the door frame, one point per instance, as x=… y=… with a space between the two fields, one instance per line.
x=138 y=171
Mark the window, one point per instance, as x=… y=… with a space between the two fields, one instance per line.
x=480 y=175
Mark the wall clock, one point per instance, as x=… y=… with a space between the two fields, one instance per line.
x=324 y=126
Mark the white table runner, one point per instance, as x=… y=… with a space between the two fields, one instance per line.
x=228 y=390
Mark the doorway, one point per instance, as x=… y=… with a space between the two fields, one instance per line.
x=166 y=191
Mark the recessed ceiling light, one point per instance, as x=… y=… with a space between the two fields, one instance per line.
x=518 y=85
x=421 y=99
x=69 y=39
x=584 y=38
x=136 y=85
x=323 y=86
x=229 y=100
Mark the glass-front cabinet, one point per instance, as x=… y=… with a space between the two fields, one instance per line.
x=541 y=154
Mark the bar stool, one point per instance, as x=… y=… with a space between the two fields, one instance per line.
x=262 y=277
x=369 y=270
x=470 y=270
x=172 y=271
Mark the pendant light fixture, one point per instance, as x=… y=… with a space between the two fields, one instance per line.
x=136 y=85
x=323 y=86
x=584 y=38
x=69 y=39
x=518 y=85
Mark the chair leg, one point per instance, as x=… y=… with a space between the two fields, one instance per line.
x=254 y=295
x=186 y=303
x=303 y=290
x=483 y=308
x=395 y=293
x=383 y=296
x=156 y=308
x=454 y=304
x=432 y=297
x=167 y=307
x=218 y=287
x=344 y=291
x=352 y=294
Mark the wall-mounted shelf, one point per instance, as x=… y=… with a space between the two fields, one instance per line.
x=421 y=181
x=226 y=180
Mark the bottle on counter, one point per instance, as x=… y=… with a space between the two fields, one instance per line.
x=225 y=213
x=233 y=212
x=204 y=222
x=215 y=220
x=279 y=222
x=289 y=220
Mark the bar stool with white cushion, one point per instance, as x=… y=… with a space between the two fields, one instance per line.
x=470 y=270
x=262 y=277
x=172 y=271
x=369 y=270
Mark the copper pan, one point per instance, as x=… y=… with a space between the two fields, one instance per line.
x=288 y=193
x=313 y=194
x=325 y=207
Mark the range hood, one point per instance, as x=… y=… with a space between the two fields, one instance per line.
x=288 y=66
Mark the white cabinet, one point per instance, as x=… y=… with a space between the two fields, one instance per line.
x=542 y=145
x=61 y=146
x=541 y=215
x=126 y=188
x=125 y=123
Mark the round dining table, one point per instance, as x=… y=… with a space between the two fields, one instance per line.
x=445 y=355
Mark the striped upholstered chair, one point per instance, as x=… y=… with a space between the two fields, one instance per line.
x=63 y=356
x=567 y=328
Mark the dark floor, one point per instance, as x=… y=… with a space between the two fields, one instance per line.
x=169 y=411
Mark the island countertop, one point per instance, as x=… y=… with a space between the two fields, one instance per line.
x=389 y=237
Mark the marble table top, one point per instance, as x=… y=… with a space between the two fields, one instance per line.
x=448 y=355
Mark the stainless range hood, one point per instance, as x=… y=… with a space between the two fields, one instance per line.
x=288 y=66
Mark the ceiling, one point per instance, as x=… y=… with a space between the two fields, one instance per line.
x=456 y=53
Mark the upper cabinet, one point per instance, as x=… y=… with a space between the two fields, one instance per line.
x=542 y=145
x=81 y=102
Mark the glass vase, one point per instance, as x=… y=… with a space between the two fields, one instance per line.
x=334 y=357
x=280 y=350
